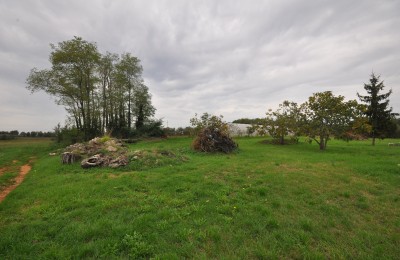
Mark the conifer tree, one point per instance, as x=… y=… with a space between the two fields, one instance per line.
x=378 y=113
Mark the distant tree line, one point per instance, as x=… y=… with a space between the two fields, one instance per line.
x=8 y=135
x=248 y=121
x=102 y=93
x=179 y=131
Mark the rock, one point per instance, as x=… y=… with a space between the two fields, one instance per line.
x=95 y=141
x=119 y=161
x=68 y=157
x=111 y=148
x=93 y=161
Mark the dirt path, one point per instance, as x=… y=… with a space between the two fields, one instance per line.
x=3 y=170
x=17 y=181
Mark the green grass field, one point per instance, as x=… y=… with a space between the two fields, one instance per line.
x=264 y=201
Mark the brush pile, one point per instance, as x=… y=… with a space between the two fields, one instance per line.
x=213 y=140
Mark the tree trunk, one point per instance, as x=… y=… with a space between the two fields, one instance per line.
x=140 y=118
x=282 y=140
x=373 y=138
x=129 y=108
x=322 y=143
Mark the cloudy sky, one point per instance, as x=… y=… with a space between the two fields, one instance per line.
x=235 y=58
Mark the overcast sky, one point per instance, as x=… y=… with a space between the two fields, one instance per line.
x=235 y=58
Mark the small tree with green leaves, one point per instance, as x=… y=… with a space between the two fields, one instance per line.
x=325 y=115
x=209 y=121
x=283 y=121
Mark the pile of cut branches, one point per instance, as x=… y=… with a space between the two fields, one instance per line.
x=214 y=140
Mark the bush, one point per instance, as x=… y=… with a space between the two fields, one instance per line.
x=70 y=135
x=152 y=128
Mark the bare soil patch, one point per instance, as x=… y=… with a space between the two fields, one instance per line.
x=3 y=170
x=16 y=182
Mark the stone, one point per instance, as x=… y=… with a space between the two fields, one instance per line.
x=111 y=148
x=119 y=161
x=93 y=161
x=68 y=157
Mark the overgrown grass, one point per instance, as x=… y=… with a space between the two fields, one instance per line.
x=264 y=201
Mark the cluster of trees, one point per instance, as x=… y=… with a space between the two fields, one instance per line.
x=102 y=93
x=325 y=115
x=8 y=135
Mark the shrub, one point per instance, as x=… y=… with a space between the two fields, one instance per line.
x=70 y=135
x=152 y=128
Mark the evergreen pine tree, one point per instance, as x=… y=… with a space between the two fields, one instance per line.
x=378 y=113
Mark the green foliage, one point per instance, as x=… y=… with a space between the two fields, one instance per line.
x=105 y=138
x=209 y=121
x=8 y=135
x=395 y=128
x=180 y=131
x=69 y=135
x=282 y=122
x=151 y=128
x=325 y=115
x=248 y=121
x=101 y=93
x=379 y=115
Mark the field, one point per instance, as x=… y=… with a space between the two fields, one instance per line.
x=263 y=201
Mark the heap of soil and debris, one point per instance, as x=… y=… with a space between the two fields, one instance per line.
x=214 y=140
x=105 y=151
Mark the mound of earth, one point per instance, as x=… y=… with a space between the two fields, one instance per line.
x=106 y=152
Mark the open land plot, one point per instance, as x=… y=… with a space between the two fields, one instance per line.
x=263 y=201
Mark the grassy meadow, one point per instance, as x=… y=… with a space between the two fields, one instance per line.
x=17 y=152
x=263 y=201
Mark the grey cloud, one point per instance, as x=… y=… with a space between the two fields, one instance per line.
x=227 y=57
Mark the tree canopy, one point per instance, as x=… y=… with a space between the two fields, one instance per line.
x=326 y=115
x=283 y=121
x=101 y=93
